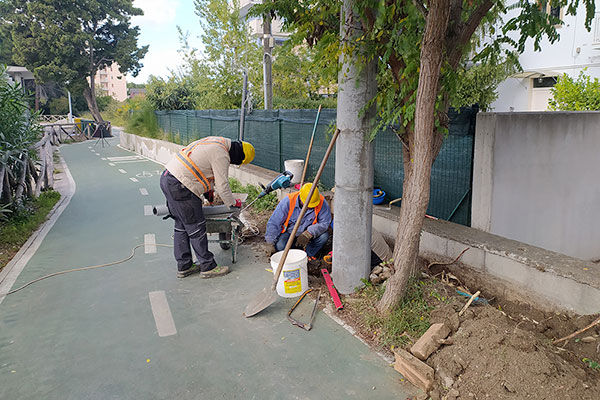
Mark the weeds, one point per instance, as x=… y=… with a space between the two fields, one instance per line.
x=267 y=203
x=22 y=222
x=410 y=319
x=592 y=364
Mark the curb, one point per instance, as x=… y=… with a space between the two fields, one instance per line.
x=66 y=186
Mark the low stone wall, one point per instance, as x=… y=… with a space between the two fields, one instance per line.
x=516 y=270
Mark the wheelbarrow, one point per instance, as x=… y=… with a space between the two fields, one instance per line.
x=229 y=227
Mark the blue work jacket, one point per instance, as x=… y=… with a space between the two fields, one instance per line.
x=275 y=223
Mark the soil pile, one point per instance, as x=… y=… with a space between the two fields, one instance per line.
x=494 y=358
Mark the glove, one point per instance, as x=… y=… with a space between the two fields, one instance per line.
x=270 y=249
x=238 y=203
x=210 y=196
x=303 y=239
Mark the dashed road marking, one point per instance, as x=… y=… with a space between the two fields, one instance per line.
x=149 y=243
x=148 y=210
x=126 y=158
x=111 y=164
x=122 y=171
x=103 y=158
x=165 y=325
x=133 y=180
x=144 y=191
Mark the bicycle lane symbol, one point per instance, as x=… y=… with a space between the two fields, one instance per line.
x=148 y=174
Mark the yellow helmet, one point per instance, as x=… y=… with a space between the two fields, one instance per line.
x=248 y=153
x=314 y=200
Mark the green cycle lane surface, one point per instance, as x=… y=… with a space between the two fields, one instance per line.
x=92 y=334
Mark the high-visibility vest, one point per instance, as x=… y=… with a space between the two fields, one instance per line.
x=293 y=197
x=184 y=157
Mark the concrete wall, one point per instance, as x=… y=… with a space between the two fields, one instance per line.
x=536 y=180
x=514 y=270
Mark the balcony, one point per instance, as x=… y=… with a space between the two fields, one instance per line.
x=245 y=6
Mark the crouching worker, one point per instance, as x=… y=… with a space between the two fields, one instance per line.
x=312 y=233
x=188 y=175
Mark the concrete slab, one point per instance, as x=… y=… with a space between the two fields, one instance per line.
x=93 y=335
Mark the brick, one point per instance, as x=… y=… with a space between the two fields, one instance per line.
x=416 y=371
x=429 y=342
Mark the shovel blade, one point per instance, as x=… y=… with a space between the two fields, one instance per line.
x=263 y=300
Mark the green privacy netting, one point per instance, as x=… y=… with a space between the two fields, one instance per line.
x=280 y=135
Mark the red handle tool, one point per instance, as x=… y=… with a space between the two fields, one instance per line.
x=332 y=290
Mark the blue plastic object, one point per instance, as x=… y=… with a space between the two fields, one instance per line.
x=378 y=196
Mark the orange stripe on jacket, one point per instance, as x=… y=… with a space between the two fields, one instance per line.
x=293 y=197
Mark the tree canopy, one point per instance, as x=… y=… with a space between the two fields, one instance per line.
x=68 y=41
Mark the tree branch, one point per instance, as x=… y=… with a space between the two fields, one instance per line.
x=421 y=7
x=466 y=30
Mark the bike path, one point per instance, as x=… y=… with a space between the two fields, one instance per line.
x=93 y=334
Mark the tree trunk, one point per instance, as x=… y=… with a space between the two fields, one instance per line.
x=421 y=146
x=2 y=172
x=21 y=183
x=90 y=97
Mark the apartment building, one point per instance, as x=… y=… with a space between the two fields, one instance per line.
x=112 y=82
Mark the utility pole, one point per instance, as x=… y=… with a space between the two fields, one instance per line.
x=353 y=163
x=267 y=61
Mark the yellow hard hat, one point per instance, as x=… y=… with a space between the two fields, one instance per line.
x=314 y=200
x=248 y=153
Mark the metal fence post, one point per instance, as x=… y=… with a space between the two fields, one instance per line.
x=280 y=145
x=187 y=129
x=210 y=126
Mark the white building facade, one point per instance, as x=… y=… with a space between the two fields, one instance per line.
x=575 y=50
x=256 y=24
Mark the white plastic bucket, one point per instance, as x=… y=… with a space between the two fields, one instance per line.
x=295 y=167
x=293 y=280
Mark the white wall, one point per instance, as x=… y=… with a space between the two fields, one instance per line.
x=576 y=49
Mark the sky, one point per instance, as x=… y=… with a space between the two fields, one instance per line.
x=158 y=29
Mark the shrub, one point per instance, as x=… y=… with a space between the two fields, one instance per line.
x=581 y=94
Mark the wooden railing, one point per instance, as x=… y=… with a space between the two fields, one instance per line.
x=51 y=119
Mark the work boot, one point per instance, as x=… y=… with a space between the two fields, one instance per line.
x=195 y=268
x=216 y=271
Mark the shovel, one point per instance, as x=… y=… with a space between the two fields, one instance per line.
x=268 y=296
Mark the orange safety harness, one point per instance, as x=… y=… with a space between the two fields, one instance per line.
x=293 y=197
x=184 y=157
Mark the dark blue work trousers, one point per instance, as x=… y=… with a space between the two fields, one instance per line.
x=190 y=224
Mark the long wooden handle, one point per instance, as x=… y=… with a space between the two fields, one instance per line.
x=290 y=241
x=312 y=139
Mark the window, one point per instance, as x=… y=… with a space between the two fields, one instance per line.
x=544 y=82
x=551 y=9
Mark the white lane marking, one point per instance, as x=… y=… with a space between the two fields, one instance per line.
x=122 y=171
x=111 y=164
x=148 y=210
x=97 y=154
x=125 y=158
x=149 y=243
x=141 y=155
x=162 y=314
x=130 y=162
x=103 y=158
x=89 y=147
x=144 y=191
x=133 y=180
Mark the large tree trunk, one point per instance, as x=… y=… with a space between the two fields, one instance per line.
x=90 y=97
x=423 y=147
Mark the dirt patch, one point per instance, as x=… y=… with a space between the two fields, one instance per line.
x=501 y=351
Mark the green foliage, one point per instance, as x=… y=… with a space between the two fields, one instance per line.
x=410 y=318
x=15 y=231
x=59 y=106
x=67 y=42
x=142 y=119
x=19 y=129
x=478 y=84
x=581 y=94
x=104 y=102
x=172 y=94
x=267 y=203
x=592 y=364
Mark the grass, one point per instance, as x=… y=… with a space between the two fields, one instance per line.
x=410 y=319
x=22 y=223
x=267 y=203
